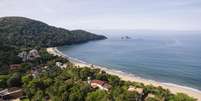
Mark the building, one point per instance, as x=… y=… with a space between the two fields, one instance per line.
x=61 y=65
x=23 y=55
x=138 y=90
x=15 y=66
x=149 y=96
x=155 y=97
x=33 y=54
x=100 y=84
x=11 y=93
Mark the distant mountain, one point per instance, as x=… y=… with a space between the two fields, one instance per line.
x=25 y=32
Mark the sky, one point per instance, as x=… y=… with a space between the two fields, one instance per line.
x=109 y=14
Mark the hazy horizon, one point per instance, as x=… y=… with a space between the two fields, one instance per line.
x=179 y=15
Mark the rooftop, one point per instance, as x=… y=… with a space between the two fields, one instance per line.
x=98 y=82
x=139 y=90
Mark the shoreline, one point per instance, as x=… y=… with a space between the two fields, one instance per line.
x=174 y=88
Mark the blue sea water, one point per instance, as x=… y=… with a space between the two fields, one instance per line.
x=166 y=56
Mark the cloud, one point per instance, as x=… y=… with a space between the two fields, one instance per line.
x=113 y=14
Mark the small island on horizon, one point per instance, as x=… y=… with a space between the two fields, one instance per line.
x=125 y=37
x=32 y=69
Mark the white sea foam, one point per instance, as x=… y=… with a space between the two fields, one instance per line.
x=180 y=86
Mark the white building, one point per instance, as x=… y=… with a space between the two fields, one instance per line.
x=23 y=55
x=33 y=54
x=61 y=65
x=138 y=90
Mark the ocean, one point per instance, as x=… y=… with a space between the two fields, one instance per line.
x=167 y=56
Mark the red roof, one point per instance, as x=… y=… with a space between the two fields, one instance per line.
x=98 y=82
x=15 y=66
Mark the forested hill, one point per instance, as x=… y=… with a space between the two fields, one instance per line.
x=25 y=32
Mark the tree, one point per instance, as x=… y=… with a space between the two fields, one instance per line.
x=3 y=79
x=39 y=96
x=25 y=67
x=85 y=72
x=114 y=80
x=75 y=96
x=151 y=99
x=65 y=96
x=130 y=96
x=26 y=79
x=182 y=97
x=14 y=80
x=98 y=95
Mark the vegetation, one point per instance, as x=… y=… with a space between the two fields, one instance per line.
x=24 y=32
x=70 y=84
x=8 y=55
x=18 y=33
x=53 y=83
x=181 y=97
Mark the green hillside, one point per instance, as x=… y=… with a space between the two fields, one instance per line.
x=25 y=32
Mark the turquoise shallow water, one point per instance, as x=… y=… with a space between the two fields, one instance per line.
x=172 y=58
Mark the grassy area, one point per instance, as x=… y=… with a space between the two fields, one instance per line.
x=25 y=99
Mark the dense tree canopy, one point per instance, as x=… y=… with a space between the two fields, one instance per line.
x=70 y=84
x=24 y=32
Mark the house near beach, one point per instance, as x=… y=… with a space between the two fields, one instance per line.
x=100 y=84
x=140 y=91
x=149 y=96
x=15 y=66
x=61 y=65
x=11 y=93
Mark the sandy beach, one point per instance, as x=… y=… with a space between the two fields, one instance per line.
x=174 y=88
